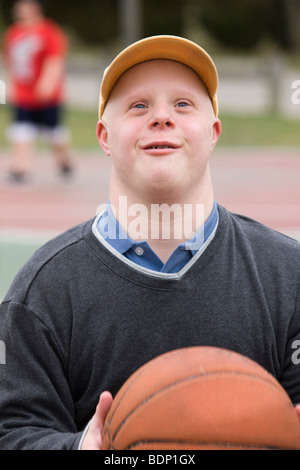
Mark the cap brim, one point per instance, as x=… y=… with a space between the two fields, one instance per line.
x=162 y=47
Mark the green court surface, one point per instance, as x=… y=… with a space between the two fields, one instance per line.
x=13 y=255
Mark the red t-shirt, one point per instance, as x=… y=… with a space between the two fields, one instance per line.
x=25 y=51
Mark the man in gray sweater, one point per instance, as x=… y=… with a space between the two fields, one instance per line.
x=162 y=267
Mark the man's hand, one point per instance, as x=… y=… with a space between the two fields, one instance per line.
x=93 y=438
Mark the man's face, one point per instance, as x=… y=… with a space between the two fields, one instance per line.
x=159 y=129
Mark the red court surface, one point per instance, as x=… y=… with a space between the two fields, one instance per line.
x=262 y=184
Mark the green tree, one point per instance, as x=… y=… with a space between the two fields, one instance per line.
x=242 y=24
x=162 y=17
x=97 y=22
x=93 y=21
x=292 y=19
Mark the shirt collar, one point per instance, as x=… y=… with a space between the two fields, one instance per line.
x=112 y=232
x=195 y=243
x=110 y=229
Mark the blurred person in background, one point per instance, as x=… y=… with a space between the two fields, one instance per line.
x=34 y=50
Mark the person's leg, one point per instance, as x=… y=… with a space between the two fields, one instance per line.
x=61 y=148
x=59 y=138
x=21 y=134
x=22 y=155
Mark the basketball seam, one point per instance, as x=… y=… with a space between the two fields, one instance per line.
x=161 y=358
x=204 y=443
x=186 y=379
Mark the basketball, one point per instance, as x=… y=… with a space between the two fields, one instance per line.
x=201 y=398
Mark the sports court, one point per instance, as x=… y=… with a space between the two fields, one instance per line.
x=259 y=183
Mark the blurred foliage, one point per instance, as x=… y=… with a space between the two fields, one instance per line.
x=97 y=22
x=236 y=24
x=243 y=24
x=92 y=21
x=162 y=17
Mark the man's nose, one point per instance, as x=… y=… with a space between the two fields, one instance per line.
x=161 y=117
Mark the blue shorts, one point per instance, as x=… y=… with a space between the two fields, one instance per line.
x=49 y=117
x=28 y=124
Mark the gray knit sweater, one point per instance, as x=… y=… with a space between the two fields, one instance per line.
x=78 y=320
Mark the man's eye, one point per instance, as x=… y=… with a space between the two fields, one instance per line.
x=182 y=104
x=139 y=106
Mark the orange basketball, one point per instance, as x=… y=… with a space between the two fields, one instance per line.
x=201 y=398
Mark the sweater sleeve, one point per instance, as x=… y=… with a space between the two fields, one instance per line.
x=37 y=409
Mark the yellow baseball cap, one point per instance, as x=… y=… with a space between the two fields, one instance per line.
x=162 y=47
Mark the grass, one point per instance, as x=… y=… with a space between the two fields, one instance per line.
x=83 y=127
x=259 y=131
x=238 y=130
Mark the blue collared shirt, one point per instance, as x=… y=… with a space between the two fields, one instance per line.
x=142 y=254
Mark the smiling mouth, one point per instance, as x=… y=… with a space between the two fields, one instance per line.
x=160 y=147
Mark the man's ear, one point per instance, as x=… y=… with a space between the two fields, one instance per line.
x=217 y=129
x=102 y=136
